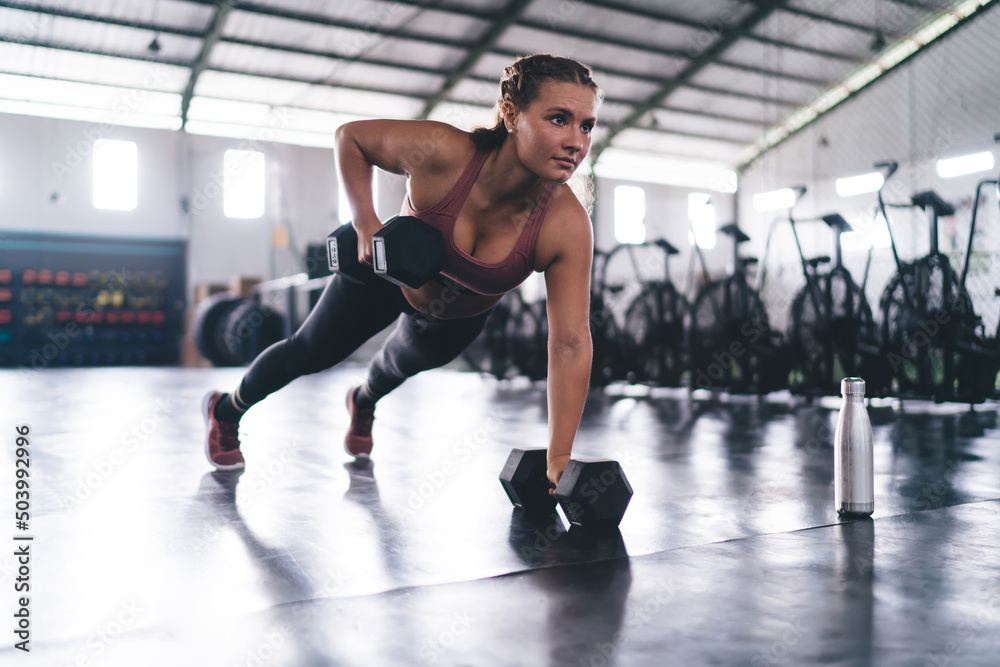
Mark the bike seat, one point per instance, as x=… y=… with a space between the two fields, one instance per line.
x=748 y=261
x=666 y=246
x=837 y=223
x=735 y=232
x=816 y=261
x=931 y=199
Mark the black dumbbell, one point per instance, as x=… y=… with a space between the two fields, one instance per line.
x=406 y=251
x=593 y=494
x=342 y=254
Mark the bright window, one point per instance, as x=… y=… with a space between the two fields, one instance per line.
x=630 y=214
x=116 y=175
x=702 y=216
x=243 y=184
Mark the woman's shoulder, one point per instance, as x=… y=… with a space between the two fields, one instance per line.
x=565 y=228
x=565 y=209
x=441 y=146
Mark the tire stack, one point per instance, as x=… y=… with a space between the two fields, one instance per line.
x=231 y=331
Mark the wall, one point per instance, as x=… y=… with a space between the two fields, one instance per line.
x=46 y=182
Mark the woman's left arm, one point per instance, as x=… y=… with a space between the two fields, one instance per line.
x=567 y=287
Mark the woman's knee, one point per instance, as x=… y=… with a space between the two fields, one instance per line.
x=305 y=358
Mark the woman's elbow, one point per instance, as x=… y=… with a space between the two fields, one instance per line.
x=573 y=346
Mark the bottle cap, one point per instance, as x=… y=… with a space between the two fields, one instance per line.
x=852 y=387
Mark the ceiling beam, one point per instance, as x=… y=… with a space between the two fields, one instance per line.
x=707 y=56
x=60 y=12
x=74 y=48
x=322 y=20
x=212 y=36
x=472 y=58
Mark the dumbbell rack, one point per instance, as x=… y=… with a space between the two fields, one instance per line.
x=89 y=301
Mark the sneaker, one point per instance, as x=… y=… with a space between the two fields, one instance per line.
x=222 y=445
x=358 y=441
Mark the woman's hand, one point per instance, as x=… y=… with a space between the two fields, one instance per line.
x=556 y=466
x=366 y=230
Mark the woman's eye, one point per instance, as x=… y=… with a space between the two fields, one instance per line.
x=586 y=127
x=558 y=120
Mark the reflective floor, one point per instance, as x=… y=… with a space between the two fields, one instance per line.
x=730 y=553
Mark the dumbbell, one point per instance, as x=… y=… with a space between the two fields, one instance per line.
x=592 y=493
x=407 y=252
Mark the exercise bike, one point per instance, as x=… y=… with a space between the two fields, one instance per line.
x=731 y=344
x=832 y=334
x=929 y=327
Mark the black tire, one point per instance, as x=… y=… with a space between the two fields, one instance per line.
x=250 y=329
x=209 y=316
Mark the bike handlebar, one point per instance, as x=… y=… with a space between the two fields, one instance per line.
x=889 y=165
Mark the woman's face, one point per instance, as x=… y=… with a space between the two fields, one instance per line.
x=552 y=135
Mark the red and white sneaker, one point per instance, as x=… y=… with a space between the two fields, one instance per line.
x=222 y=444
x=358 y=441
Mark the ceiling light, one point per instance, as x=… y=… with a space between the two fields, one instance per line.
x=770 y=201
x=965 y=164
x=858 y=185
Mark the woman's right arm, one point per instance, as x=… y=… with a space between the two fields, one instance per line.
x=395 y=146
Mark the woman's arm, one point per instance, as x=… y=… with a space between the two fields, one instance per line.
x=396 y=146
x=567 y=287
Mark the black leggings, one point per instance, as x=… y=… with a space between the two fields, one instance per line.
x=348 y=314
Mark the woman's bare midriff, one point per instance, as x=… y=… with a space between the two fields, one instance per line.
x=446 y=303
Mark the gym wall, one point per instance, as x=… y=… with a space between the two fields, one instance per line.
x=943 y=103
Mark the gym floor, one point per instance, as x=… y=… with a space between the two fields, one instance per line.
x=730 y=553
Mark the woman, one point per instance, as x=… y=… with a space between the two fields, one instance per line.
x=499 y=197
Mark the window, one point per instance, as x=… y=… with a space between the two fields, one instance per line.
x=630 y=214
x=243 y=184
x=344 y=208
x=702 y=216
x=116 y=175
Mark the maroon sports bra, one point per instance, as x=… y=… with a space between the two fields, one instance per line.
x=464 y=269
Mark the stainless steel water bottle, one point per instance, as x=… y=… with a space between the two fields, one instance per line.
x=853 y=466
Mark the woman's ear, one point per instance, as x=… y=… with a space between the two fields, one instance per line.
x=509 y=115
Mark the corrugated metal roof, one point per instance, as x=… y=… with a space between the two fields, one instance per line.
x=718 y=80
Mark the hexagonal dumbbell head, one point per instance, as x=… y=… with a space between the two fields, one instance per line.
x=342 y=254
x=407 y=251
x=594 y=494
x=525 y=481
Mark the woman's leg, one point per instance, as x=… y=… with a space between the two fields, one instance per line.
x=418 y=344
x=346 y=315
